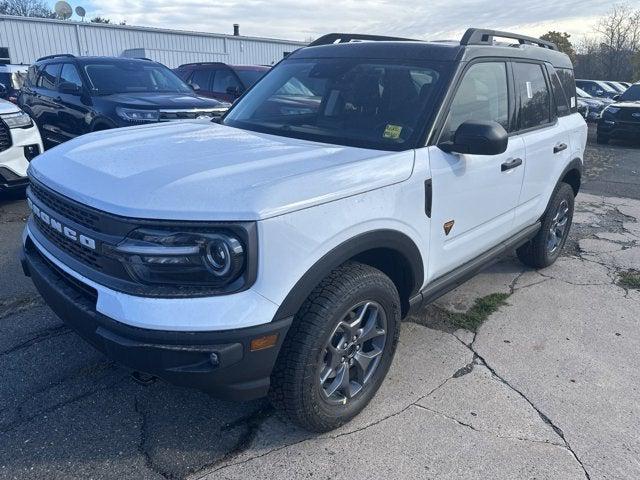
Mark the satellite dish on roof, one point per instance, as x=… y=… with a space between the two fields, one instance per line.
x=63 y=10
x=81 y=12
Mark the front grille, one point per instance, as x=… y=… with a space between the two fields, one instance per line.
x=626 y=115
x=5 y=137
x=65 y=208
x=169 y=115
x=74 y=249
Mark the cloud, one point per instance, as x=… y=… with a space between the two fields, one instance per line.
x=299 y=20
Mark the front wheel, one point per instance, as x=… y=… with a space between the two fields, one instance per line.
x=339 y=348
x=545 y=247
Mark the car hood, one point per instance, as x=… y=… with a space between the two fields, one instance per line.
x=7 y=107
x=626 y=104
x=162 y=100
x=199 y=170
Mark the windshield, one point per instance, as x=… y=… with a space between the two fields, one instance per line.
x=632 y=94
x=582 y=93
x=347 y=101
x=249 y=77
x=133 y=77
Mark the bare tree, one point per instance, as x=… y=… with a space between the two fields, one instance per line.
x=620 y=40
x=26 y=8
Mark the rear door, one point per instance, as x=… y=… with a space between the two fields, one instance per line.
x=543 y=111
x=45 y=105
x=475 y=196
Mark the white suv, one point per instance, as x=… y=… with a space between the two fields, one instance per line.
x=19 y=143
x=277 y=252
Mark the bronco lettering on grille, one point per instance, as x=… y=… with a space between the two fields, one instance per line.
x=60 y=228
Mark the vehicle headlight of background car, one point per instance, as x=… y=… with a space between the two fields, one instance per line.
x=17 y=120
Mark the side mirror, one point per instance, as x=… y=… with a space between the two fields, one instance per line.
x=68 y=87
x=478 y=137
x=3 y=90
x=599 y=93
x=235 y=91
x=616 y=97
x=194 y=86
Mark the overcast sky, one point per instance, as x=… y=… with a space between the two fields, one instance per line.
x=302 y=19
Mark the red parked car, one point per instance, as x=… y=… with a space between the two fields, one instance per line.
x=219 y=80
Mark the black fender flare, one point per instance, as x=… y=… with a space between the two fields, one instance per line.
x=393 y=240
x=575 y=164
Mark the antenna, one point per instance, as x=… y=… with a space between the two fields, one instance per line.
x=81 y=12
x=63 y=10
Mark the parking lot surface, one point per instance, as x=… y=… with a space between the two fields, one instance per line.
x=546 y=388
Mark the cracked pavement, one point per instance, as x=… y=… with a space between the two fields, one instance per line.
x=547 y=387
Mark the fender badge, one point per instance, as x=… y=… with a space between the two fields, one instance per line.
x=448 y=226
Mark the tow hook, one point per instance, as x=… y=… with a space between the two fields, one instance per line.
x=143 y=379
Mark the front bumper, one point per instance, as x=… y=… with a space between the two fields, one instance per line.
x=15 y=159
x=620 y=130
x=217 y=362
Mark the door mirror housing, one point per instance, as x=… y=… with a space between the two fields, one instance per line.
x=235 y=91
x=599 y=93
x=3 y=90
x=68 y=87
x=478 y=137
x=616 y=97
x=194 y=86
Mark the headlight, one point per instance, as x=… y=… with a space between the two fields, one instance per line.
x=182 y=258
x=137 y=115
x=17 y=120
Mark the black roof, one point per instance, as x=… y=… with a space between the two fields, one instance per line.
x=474 y=44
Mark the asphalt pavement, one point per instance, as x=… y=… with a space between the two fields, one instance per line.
x=542 y=383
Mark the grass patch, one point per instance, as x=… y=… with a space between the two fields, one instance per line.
x=479 y=312
x=629 y=279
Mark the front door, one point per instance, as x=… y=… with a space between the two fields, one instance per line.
x=474 y=196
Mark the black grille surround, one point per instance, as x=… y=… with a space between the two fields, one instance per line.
x=5 y=137
x=108 y=230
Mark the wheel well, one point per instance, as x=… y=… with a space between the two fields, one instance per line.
x=394 y=265
x=573 y=177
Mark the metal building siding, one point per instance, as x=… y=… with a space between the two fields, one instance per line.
x=28 y=39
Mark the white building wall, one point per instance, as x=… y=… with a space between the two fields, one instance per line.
x=29 y=39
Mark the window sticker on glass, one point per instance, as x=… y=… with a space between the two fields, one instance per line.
x=573 y=102
x=392 y=131
x=529 y=90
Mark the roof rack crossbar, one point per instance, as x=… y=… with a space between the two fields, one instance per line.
x=332 y=38
x=48 y=57
x=480 y=36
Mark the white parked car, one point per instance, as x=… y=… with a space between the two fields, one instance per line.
x=19 y=144
x=277 y=252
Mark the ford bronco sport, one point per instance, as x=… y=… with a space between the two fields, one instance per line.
x=276 y=252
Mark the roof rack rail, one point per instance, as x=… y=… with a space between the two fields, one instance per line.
x=332 y=38
x=480 y=36
x=199 y=63
x=68 y=55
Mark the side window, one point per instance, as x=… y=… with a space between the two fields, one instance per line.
x=483 y=94
x=70 y=74
x=202 y=78
x=562 y=104
x=224 y=79
x=48 y=76
x=535 y=100
x=568 y=81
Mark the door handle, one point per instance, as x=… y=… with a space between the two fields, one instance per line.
x=559 y=148
x=508 y=165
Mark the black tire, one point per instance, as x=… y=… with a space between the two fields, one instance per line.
x=296 y=386
x=602 y=139
x=537 y=252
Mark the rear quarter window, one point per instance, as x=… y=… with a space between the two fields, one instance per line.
x=568 y=82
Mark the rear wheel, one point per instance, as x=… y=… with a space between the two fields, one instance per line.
x=339 y=348
x=545 y=247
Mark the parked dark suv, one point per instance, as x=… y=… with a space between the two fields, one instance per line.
x=621 y=120
x=219 y=80
x=68 y=96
